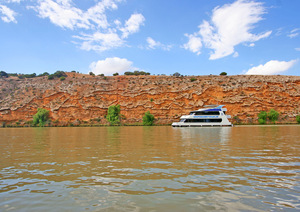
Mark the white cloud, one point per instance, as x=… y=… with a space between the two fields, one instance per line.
x=230 y=25
x=133 y=24
x=110 y=66
x=152 y=44
x=294 y=33
x=194 y=44
x=63 y=14
x=271 y=67
x=297 y=49
x=8 y=15
x=100 y=41
x=95 y=32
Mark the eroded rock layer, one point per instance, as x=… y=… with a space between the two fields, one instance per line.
x=84 y=98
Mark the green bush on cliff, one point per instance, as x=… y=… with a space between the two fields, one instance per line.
x=113 y=115
x=148 y=119
x=57 y=74
x=262 y=117
x=262 y=121
x=298 y=119
x=273 y=115
x=41 y=117
x=3 y=74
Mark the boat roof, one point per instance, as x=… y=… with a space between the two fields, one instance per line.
x=210 y=108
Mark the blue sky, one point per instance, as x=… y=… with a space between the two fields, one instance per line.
x=192 y=37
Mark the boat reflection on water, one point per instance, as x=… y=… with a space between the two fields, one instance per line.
x=206 y=134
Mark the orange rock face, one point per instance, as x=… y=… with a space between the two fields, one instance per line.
x=85 y=98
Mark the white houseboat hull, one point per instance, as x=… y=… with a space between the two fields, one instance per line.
x=213 y=116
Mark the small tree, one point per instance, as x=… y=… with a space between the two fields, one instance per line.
x=91 y=73
x=116 y=74
x=3 y=74
x=262 y=117
x=298 y=119
x=62 y=78
x=273 y=115
x=113 y=114
x=41 y=117
x=148 y=119
x=176 y=74
x=223 y=73
x=51 y=77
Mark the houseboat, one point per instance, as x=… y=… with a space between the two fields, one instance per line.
x=209 y=116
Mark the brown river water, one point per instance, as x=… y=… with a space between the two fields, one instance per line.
x=243 y=168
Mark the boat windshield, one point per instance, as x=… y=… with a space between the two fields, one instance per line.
x=202 y=120
x=199 y=113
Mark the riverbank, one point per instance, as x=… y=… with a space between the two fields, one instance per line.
x=139 y=125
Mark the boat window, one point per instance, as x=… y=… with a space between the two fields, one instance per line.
x=182 y=120
x=202 y=120
x=207 y=113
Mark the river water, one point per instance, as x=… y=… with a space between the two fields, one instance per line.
x=244 y=168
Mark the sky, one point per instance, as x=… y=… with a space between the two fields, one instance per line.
x=191 y=37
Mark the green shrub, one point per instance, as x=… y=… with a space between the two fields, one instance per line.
x=3 y=74
x=148 y=119
x=62 y=78
x=59 y=74
x=22 y=76
x=261 y=121
x=176 y=74
x=43 y=74
x=41 y=117
x=91 y=73
x=115 y=74
x=273 y=115
x=51 y=77
x=136 y=73
x=223 y=73
x=113 y=114
x=298 y=119
x=193 y=79
x=262 y=117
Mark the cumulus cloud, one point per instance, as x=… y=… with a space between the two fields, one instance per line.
x=8 y=15
x=152 y=44
x=100 y=41
x=132 y=25
x=63 y=14
x=94 y=31
x=110 y=66
x=271 y=67
x=194 y=44
x=230 y=25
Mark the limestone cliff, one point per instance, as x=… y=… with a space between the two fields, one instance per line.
x=84 y=98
